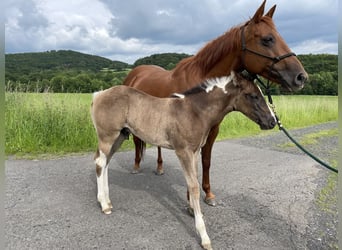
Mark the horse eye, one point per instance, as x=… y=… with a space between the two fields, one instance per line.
x=267 y=41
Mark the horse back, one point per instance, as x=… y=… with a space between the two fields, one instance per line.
x=156 y=81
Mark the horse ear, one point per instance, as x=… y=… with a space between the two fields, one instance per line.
x=271 y=11
x=259 y=13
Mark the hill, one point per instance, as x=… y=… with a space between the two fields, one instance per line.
x=58 y=60
x=71 y=71
x=62 y=71
x=165 y=60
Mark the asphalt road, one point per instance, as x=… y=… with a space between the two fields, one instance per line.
x=264 y=202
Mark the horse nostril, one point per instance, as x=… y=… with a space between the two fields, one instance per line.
x=301 y=78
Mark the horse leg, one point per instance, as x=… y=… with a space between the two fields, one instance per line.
x=102 y=159
x=160 y=170
x=188 y=161
x=206 y=160
x=138 y=153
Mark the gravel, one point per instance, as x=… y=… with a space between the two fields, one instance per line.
x=325 y=214
x=51 y=204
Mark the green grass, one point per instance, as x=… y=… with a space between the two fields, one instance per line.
x=310 y=139
x=60 y=123
x=293 y=112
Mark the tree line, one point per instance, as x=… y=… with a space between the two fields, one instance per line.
x=70 y=71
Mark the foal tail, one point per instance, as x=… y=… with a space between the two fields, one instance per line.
x=96 y=93
x=92 y=107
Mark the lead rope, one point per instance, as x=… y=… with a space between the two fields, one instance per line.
x=281 y=127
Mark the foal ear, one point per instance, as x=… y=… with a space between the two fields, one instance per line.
x=259 y=13
x=237 y=79
x=271 y=11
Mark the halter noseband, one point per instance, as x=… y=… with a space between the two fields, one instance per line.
x=274 y=59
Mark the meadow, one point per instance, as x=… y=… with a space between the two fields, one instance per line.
x=58 y=124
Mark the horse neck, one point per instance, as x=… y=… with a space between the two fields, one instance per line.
x=217 y=58
x=213 y=105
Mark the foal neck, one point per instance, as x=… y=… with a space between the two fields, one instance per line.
x=215 y=99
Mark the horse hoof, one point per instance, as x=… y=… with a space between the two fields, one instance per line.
x=210 y=201
x=159 y=172
x=135 y=171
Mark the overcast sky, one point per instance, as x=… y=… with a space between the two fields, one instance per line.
x=126 y=30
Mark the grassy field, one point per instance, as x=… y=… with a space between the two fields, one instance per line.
x=60 y=123
x=293 y=112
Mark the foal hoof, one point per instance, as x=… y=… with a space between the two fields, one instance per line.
x=207 y=246
x=210 y=201
x=191 y=211
x=107 y=211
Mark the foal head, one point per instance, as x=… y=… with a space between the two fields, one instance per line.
x=251 y=102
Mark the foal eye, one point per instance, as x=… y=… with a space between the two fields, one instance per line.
x=267 y=41
x=252 y=96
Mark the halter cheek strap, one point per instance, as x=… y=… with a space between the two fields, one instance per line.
x=275 y=59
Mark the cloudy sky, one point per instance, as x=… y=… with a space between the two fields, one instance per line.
x=126 y=30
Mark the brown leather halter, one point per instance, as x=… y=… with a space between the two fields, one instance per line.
x=274 y=59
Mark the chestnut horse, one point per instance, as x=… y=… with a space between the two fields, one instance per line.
x=255 y=46
x=182 y=124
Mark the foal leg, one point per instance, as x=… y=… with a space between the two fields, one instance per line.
x=189 y=164
x=102 y=159
x=206 y=160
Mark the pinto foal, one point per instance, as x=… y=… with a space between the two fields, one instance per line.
x=181 y=123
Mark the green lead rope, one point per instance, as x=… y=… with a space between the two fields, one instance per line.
x=268 y=93
x=303 y=149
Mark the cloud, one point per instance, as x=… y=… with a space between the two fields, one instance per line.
x=127 y=30
x=175 y=22
x=315 y=47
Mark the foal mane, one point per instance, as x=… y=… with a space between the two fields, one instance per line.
x=206 y=86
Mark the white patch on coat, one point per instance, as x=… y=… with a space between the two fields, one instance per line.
x=101 y=161
x=178 y=95
x=219 y=82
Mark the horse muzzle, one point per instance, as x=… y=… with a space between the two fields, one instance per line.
x=300 y=80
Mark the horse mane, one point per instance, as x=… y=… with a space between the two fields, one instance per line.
x=206 y=86
x=206 y=58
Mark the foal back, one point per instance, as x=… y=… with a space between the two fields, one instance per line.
x=149 y=117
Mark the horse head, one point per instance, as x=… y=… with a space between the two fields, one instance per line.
x=251 y=102
x=264 y=52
